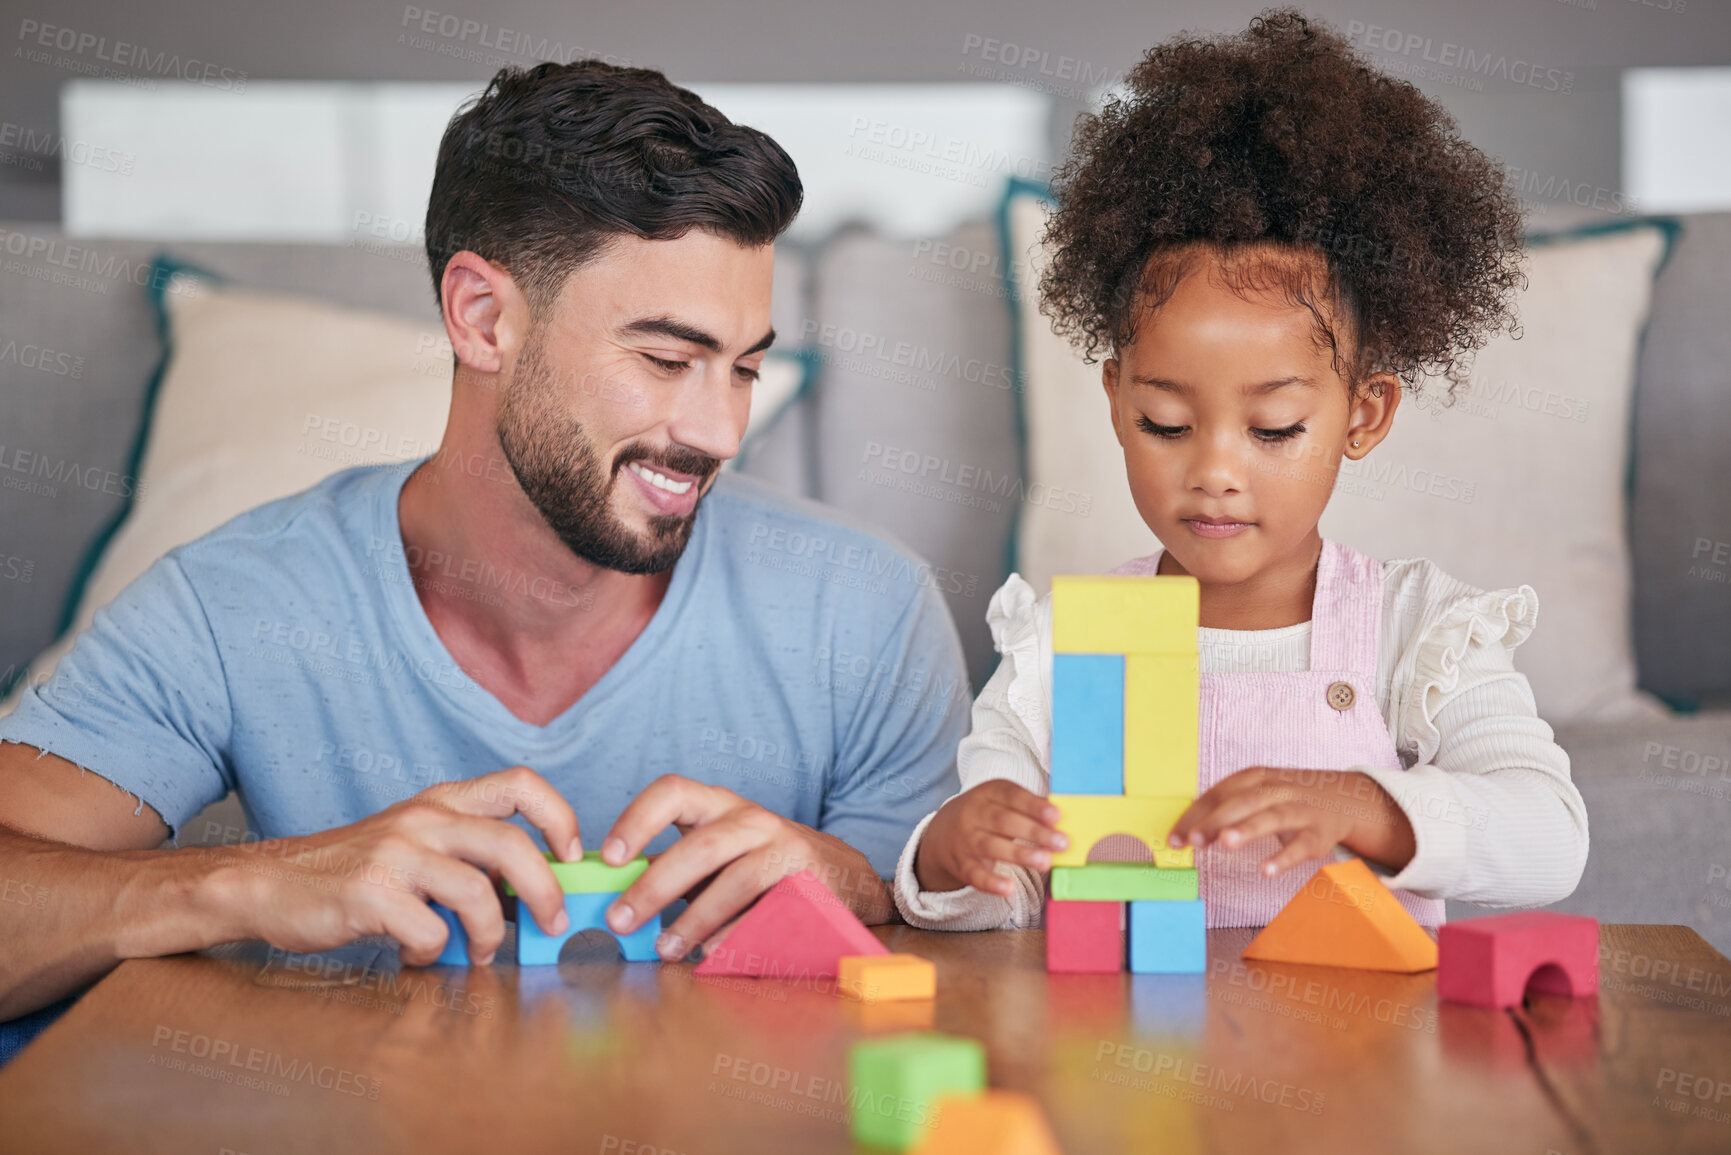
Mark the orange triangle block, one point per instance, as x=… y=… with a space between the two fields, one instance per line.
x=1345 y=917
x=991 y=1123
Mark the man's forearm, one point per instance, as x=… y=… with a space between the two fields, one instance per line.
x=69 y=915
x=850 y=875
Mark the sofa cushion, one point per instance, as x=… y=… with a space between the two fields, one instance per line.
x=915 y=410
x=1680 y=514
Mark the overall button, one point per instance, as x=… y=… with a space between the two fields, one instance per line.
x=1341 y=695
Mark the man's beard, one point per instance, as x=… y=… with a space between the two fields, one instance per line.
x=564 y=476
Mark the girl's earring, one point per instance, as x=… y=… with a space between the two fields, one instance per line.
x=1355 y=445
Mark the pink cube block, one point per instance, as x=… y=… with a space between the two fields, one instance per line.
x=1084 y=937
x=1493 y=962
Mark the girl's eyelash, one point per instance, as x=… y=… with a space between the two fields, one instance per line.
x=1148 y=426
x=750 y=374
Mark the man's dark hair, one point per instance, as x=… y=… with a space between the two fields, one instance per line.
x=548 y=165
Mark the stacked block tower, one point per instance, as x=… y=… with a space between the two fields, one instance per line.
x=1125 y=700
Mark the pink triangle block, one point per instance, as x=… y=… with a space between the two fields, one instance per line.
x=798 y=929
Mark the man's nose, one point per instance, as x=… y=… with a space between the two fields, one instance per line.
x=706 y=415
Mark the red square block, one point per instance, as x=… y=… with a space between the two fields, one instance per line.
x=1084 y=937
x=1493 y=962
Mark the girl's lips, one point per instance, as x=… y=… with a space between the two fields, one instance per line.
x=1211 y=530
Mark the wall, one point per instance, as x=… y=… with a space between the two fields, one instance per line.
x=1550 y=136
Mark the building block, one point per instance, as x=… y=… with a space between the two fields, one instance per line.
x=1344 y=916
x=535 y=947
x=993 y=1123
x=1168 y=938
x=1493 y=961
x=1162 y=709
x=894 y=1084
x=795 y=930
x=1087 y=818
x=456 y=952
x=1123 y=882
x=1087 y=724
x=1084 y=937
x=886 y=977
x=589 y=875
x=1107 y=614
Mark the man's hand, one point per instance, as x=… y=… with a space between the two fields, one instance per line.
x=732 y=850
x=1309 y=811
x=449 y=843
x=996 y=821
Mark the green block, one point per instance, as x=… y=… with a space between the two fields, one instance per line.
x=1123 y=882
x=589 y=875
x=893 y=1083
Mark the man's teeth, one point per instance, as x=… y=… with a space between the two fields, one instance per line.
x=659 y=481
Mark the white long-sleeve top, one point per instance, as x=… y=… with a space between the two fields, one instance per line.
x=1496 y=819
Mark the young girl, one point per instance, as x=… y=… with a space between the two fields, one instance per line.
x=1270 y=240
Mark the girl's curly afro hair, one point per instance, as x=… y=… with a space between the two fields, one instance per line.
x=1282 y=137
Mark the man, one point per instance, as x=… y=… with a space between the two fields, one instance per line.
x=667 y=655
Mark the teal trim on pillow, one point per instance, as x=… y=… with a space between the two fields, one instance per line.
x=807 y=360
x=1016 y=187
x=162 y=269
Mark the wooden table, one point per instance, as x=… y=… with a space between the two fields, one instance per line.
x=241 y=1051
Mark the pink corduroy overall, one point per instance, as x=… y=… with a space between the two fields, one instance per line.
x=1302 y=721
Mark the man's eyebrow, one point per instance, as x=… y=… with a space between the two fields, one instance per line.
x=691 y=334
x=1180 y=388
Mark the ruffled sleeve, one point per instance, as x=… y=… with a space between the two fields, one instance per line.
x=1020 y=623
x=1467 y=626
x=1495 y=817
x=1010 y=738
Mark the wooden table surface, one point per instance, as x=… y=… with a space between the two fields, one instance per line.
x=239 y=1050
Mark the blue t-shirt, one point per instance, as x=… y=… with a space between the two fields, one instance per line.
x=801 y=662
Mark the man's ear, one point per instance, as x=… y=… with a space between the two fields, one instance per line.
x=1109 y=379
x=486 y=315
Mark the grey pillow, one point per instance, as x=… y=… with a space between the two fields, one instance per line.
x=914 y=416
x=1680 y=512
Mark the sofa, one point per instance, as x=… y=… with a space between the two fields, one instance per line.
x=908 y=345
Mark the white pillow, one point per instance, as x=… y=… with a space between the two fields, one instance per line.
x=1521 y=481
x=264 y=396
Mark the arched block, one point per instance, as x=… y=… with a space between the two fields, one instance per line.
x=535 y=947
x=1088 y=818
x=1492 y=962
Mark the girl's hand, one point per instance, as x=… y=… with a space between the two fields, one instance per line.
x=1310 y=811
x=996 y=821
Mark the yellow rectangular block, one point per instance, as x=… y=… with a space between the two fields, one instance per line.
x=873 y=978
x=1087 y=818
x=1106 y=614
x=1162 y=702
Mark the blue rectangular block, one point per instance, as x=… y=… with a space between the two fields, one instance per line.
x=456 y=952
x=1168 y=938
x=1087 y=724
x=535 y=947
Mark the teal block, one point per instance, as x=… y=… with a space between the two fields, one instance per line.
x=1168 y=938
x=1087 y=724
x=535 y=947
x=894 y=1083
